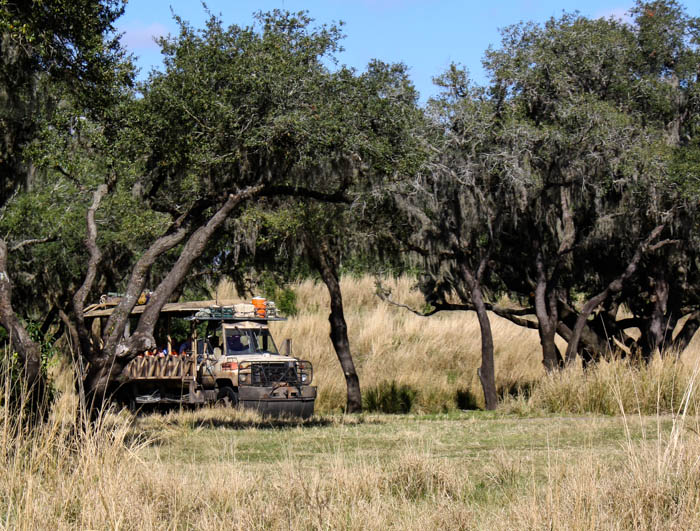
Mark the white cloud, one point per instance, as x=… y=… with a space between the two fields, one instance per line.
x=620 y=13
x=140 y=37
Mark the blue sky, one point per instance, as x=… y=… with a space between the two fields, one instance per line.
x=426 y=35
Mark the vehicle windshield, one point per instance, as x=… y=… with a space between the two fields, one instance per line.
x=249 y=342
x=264 y=341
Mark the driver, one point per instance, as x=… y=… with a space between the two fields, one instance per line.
x=234 y=343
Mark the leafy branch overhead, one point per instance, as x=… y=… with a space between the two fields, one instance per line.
x=559 y=193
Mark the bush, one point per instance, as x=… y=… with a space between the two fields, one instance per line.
x=610 y=387
x=389 y=398
x=284 y=297
x=466 y=399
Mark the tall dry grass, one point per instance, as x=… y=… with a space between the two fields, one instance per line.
x=118 y=473
x=656 y=484
x=437 y=357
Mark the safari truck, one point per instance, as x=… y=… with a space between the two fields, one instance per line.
x=228 y=357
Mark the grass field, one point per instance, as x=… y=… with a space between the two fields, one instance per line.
x=559 y=455
x=222 y=469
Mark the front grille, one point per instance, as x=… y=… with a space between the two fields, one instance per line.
x=264 y=374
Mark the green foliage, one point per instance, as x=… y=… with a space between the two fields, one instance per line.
x=389 y=397
x=12 y=371
x=285 y=297
x=582 y=143
x=47 y=344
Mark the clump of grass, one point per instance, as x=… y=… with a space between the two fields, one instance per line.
x=466 y=399
x=389 y=397
x=604 y=388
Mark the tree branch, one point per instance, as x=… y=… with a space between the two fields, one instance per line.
x=95 y=256
x=32 y=241
x=514 y=315
x=143 y=336
x=613 y=287
x=339 y=196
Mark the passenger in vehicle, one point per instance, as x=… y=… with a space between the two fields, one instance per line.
x=185 y=347
x=237 y=343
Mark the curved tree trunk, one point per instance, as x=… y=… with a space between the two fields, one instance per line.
x=487 y=371
x=339 y=329
x=80 y=296
x=27 y=350
x=103 y=376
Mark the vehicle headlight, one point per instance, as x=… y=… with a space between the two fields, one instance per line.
x=244 y=377
x=304 y=378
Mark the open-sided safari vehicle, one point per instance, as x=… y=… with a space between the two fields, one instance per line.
x=229 y=357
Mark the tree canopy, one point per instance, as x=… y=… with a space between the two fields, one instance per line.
x=567 y=185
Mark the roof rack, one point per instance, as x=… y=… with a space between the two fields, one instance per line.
x=260 y=310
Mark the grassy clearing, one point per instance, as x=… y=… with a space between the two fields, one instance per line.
x=521 y=467
x=223 y=469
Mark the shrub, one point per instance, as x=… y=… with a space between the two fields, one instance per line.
x=466 y=399
x=284 y=297
x=389 y=397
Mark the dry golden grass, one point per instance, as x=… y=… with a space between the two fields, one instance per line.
x=216 y=468
x=438 y=355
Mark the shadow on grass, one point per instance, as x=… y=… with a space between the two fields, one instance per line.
x=158 y=427
x=265 y=423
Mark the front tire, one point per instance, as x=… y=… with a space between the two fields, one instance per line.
x=227 y=397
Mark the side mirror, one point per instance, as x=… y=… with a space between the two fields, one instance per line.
x=287 y=347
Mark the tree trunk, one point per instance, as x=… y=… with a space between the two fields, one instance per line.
x=614 y=286
x=657 y=330
x=27 y=350
x=328 y=269
x=95 y=255
x=547 y=319
x=487 y=371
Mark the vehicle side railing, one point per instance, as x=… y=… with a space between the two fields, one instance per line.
x=167 y=367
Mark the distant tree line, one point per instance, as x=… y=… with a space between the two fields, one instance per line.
x=568 y=185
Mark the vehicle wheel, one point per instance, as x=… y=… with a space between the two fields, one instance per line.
x=129 y=397
x=227 y=397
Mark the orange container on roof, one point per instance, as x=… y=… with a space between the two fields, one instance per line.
x=260 y=304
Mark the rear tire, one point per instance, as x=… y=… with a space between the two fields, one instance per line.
x=227 y=397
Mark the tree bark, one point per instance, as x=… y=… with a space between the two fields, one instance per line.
x=547 y=318
x=27 y=349
x=657 y=329
x=95 y=256
x=487 y=371
x=328 y=269
x=614 y=286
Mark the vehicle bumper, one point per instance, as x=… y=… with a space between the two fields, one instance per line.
x=280 y=401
